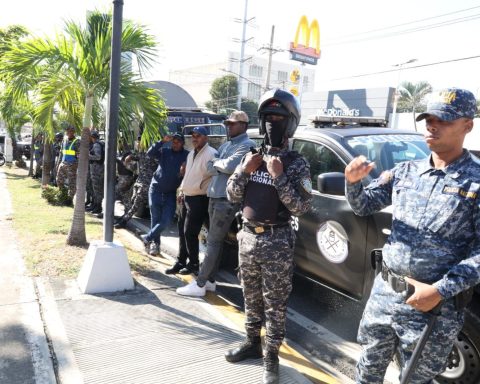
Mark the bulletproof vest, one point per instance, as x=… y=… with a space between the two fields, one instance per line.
x=261 y=203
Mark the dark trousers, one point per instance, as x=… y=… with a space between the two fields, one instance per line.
x=162 y=211
x=194 y=214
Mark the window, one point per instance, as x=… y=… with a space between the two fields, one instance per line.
x=320 y=158
x=255 y=70
x=282 y=75
x=305 y=83
x=389 y=150
x=254 y=91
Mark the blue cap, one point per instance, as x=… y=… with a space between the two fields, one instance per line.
x=200 y=130
x=451 y=104
x=178 y=136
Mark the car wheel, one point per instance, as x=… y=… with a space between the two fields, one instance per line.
x=463 y=366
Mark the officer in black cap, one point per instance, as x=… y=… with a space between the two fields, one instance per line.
x=281 y=178
x=96 y=158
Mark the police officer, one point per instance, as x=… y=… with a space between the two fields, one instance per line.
x=433 y=246
x=144 y=167
x=67 y=170
x=272 y=185
x=125 y=179
x=96 y=158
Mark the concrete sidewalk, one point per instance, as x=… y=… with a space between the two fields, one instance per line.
x=51 y=333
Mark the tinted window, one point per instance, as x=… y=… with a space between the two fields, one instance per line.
x=389 y=150
x=321 y=159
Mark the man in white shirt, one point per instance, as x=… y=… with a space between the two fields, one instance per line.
x=193 y=193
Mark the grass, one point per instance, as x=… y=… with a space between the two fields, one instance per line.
x=42 y=230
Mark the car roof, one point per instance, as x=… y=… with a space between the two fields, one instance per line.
x=338 y=133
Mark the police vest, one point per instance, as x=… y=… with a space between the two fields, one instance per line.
x=261 y=203
x=69 y=153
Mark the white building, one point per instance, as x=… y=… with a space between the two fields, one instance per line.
x=198 y=80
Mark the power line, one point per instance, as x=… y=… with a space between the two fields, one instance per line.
x=408 y=68
x=411 y=30
x=408 y=23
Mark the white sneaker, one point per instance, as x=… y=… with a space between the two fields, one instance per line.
x=192 y=289
x=153 y=249
x=209 y=286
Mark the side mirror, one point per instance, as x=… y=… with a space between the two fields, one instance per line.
x=331 y=183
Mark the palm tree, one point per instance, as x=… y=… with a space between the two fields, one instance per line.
x=412 y=97
x=73 y=76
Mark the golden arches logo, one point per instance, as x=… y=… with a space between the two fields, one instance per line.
x=307 y=38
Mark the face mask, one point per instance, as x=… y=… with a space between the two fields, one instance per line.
x=275 y=132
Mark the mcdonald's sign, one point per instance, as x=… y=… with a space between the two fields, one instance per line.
x=306 y=46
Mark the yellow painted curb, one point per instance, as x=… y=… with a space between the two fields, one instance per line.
x=293 y=358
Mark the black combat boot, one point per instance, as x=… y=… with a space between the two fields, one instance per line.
x=251 y=348
x=270 y=369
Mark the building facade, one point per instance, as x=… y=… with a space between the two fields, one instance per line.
x=291 y=76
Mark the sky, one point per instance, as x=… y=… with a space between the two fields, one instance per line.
x=362 y=43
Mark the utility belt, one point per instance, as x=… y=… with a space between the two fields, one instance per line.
x=399 y=285
x=259 y=229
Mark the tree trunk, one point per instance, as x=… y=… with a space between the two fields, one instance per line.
x=32 y=145
x=76 y=235
x=46 y=164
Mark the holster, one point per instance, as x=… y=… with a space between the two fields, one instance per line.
x=463 y=298
x=376 y=258
x=238 y=219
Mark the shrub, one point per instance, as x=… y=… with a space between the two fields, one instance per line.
x=55 y=195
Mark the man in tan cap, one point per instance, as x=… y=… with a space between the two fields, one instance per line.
x=221 y=211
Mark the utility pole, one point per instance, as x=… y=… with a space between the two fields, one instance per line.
x=242 y=55
x=271 y=51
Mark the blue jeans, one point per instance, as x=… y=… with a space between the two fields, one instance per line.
x=162 y=211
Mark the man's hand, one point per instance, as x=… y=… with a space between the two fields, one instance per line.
x=182 y=169
x=425 y=297
x=167 y=138
x=275 y=166
x=358 y=169
x=252 y=162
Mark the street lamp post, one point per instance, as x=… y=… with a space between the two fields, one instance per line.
x=397 y=94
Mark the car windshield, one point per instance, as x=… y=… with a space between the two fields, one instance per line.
x=388 y=150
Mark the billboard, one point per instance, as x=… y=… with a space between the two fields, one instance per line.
x=306 y=45
x=376 y=103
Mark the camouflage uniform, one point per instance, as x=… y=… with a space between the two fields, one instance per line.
x=96 y=166
x=146 y=168
x=67 y=170
x=266 y=259
x=434 y=239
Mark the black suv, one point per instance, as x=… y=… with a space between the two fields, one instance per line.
x=334 y=245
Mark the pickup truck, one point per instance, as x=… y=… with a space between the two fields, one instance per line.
x=334 y=246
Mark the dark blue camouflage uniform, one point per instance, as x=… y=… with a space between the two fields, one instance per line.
x=435 y=239
x=145 y=169
x=96 y=168
x=266 y=259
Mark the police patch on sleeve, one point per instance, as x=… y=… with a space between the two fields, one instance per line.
x=306 y=184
